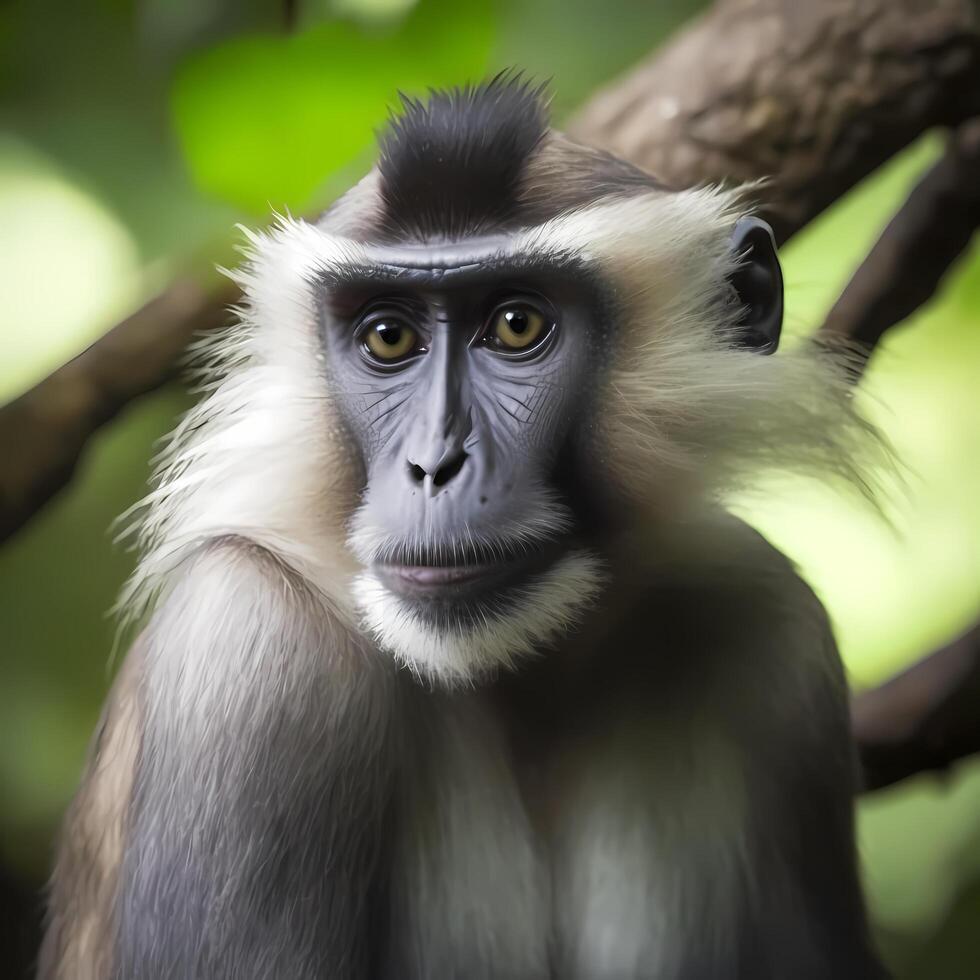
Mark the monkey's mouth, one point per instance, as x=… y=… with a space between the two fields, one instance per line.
x=463 y=573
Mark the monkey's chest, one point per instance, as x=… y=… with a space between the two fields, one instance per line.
x=565 y=870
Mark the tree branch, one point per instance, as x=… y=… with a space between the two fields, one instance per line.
x=922 y=720
x=916 y=249
x=43 y=432
x=811 y=97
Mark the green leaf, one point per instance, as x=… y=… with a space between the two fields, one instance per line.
x=265 y=121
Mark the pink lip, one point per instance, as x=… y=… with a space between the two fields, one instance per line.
x=433 y=576
x=448 y=581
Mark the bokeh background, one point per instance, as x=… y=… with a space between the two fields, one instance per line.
x=135 y=133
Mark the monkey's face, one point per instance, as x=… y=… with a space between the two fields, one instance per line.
x=464 y=385
x=494 y=346
x=503 y=397
x=514 y=337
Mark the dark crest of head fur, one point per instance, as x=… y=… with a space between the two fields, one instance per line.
x=452 y=165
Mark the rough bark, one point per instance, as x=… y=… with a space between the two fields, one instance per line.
x=811 y=96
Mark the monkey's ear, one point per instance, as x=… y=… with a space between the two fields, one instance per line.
x=758 y=285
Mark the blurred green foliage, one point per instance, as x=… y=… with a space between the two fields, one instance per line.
x=268 y=119
x=134 y=134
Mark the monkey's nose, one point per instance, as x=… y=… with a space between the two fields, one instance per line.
x=442 y=473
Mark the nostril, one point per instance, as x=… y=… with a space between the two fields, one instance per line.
x=445 y=473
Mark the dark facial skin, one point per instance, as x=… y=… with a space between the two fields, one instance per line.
x=467 y=382
x=462 y=384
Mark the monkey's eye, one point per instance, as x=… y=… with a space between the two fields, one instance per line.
x=517 y=328
x=389 y=340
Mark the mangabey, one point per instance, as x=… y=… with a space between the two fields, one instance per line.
x=454 y=665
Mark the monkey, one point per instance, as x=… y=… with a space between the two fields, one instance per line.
x=451 y=661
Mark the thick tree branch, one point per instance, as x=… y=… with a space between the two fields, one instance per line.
x=922 y=720
x=811 y=97
x=916 y=249
x=43 y=432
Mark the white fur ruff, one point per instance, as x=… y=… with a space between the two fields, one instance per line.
x=461 y=654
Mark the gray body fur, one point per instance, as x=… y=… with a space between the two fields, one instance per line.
x=667 y=797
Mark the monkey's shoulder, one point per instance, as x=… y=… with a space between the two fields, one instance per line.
x=725 y=611
x=722 y=569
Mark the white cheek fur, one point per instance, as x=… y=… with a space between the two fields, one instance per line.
x=462 y=654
